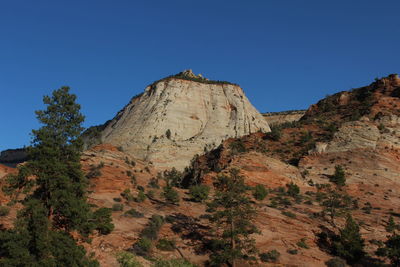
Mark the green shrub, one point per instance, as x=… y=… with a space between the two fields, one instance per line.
x=127 y=259
x=292 y=251
x=276 y=133
x=153 y=227
x=199 y=193
x=166 y=244
x=133 y=213
x=141 y=197
x=237 y=146
x=302 y=243
x=293 y=190
x=4 y=211
x=260 y=192
x=270 y=256
x=117 y=199
x=339 y=177
x=151 y=194
x=142 y=247
x=153 y=183
x=117 y=207
x=127 y=195
x=171 y=195
x=103 y=221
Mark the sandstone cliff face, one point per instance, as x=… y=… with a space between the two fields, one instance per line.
x=277 y=118
x=175 y=119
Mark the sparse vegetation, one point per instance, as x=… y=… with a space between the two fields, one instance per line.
x=232 y=215
x=339 y=177
x=166 y=244
x=127 y=259
x=260 y=192
x=199 y=193
x=270 y=256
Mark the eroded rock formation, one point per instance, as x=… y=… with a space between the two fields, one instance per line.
x=181 y=116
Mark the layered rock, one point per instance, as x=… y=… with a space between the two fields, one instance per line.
x=277 y=118
x=179 y=117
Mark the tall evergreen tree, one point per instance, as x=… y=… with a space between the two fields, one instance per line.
x=55 y=189
x=350 y=244
x=233 y=215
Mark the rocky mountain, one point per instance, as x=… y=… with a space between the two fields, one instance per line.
x=178 y=117
x=358 y=130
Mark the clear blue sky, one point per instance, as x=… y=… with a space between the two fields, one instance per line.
x=285 y=54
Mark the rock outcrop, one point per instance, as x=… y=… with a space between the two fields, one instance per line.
x=179 y=117
x=277 y=118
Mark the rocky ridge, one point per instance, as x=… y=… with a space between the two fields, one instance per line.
x=178 y=117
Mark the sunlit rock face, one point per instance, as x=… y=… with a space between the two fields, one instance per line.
x=175 y=119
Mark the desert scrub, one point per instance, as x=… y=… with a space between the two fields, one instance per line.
x=166 y=244
x=270 y=256
x=199 y=193
x=133 y=213
x=260 y=192
x=127 y=259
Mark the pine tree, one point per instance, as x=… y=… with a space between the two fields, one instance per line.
x=233 y=215
x=391 y=249
x=350 y=244
x=55 y=199
x=335 y=204
x=339 y=177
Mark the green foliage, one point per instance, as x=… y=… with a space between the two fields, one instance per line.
x=270 y=256
x=237 y=146
x=127 y=195
x=173 y=177
x=350 y=245
x=141 y=196
x=339 y=177
x=293 y=190
x=33 y=242
x=302 y=243
x=127 y=259
x=173 y=263
x=134 y=213
x=293 y=251
x=391 y=249
x=117 y=207
x=143 y=246
x=102 y=221
x=153 y=227
x=334 y=203
x=95 y=171
x=153 y=183
x=232 y=215
x=4 y=211
x=171 y=195
x=276 y=133
x=335 y=262
x=55 y=202
x=391 y=225
x=260 y=192
x=166 y=244
x=199 y=193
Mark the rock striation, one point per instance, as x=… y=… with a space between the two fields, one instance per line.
x=178 y=117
